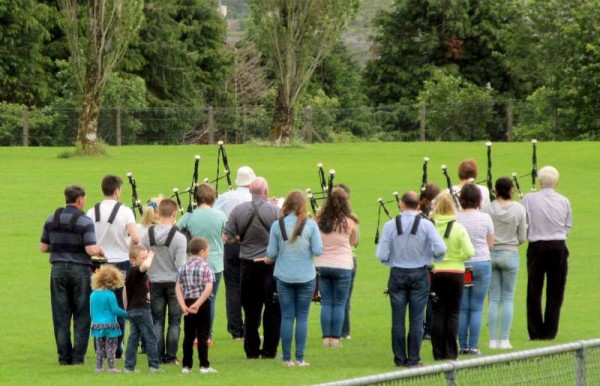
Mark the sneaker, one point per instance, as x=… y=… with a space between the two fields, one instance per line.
x=302 y=363
x=114 y=370
x=464 y=351
x=186 y=370
x=505 y=345
x=288 y=364
x=346 y=337
x=172 y=362
x=99 y=370
x=474 y=351
x=494 y=344
x=207 y=370
x=156 y=370
x=126 y=370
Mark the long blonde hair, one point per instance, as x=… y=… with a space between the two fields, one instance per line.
x=107 y=277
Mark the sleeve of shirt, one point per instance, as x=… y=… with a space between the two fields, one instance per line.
x=182 y=221
x=180 y=250
x=489 y=224
x=130 y=216
x=145 y=241
x=316 y=244
x=207 y=274
x=273 y=247
x=465 y=243
x=231 y=229
x=522 y=227
x=437 y=243
x=114 y=307
x=569 y=218
x=89 y=234
x=45 y=236
x=383 y=248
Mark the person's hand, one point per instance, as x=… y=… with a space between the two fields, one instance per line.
x=100 y=251
x=185 y=311
x=194 y=308
x=150 y=255
x=268 y=261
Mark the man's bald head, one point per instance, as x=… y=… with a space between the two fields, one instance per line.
x=410 y=200
x=259 y=187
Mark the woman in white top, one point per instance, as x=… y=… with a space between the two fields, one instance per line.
x=481 y=232
x=467 y=173
x=339 y=232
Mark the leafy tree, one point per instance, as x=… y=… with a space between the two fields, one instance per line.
x=24 y=75
x=295 y=36
x=96 y=51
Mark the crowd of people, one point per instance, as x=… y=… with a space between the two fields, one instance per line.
x=275 y=259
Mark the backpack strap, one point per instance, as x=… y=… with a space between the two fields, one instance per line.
x=448 y=229
x=415 y=226
x=56 y=220
x=73 y=220
x=170 y=236
x=113 y=213
x=282 y=228
x=398 y=225
x=151 y=236
x=301 y=228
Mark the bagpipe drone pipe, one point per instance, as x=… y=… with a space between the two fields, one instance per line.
x=135 y=200
x=326 y=188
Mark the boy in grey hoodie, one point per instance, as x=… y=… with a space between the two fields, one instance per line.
x=170 y=247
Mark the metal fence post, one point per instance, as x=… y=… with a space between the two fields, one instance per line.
x=26 y=126
x=450 y=377
x=580 y=356
x=211 y=125
x=509 y=120
x=118 y=125
x=422 y=121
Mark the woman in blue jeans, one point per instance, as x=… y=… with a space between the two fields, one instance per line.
x=510 y=231
x=480 y=228
x=339 y=232
x=293 y=241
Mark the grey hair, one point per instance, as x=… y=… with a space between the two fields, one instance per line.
x=548 y=177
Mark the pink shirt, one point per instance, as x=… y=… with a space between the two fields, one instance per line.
x=337 y=250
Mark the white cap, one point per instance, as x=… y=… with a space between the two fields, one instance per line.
x=245 y=176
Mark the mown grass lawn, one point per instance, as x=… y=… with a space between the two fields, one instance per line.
x=34 y=179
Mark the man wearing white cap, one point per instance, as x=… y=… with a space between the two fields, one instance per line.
x=231 y=258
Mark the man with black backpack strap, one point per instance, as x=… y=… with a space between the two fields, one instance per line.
x=250 y=224
x=70 y=239
x=115 y=231
x=169 y=246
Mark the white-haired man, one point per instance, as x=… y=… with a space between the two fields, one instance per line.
x=550 y=220
x=231 y=252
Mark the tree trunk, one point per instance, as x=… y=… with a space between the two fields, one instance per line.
x=283 y=121
x=87 y=134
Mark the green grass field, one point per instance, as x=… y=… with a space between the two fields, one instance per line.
x=34 y=179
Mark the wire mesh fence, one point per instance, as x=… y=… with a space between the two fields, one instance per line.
x=574 y=363
x=465 y=121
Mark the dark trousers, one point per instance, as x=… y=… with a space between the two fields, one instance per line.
x=163 y=297
x=258 y=291
x=70 y=290
x=123 y=267
x=233 y=294
x=408 y=289
x=545 y=260
x=448 y=288
x=196 y=326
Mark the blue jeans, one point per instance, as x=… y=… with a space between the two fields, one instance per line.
x=162 y=295
x=505 y=268
x=294 y=300
x=471 y=306
x=141 y=326
x=70 y=290
x=213 y=298
x=334 y=285
x=408 y=288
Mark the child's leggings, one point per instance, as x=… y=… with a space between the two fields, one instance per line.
x=106 y=348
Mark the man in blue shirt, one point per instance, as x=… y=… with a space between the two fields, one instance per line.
x=408 y=244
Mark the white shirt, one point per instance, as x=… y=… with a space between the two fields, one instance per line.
x=113 y=237
x=229 y=200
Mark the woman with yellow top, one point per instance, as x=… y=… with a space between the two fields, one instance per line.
x=448 y=278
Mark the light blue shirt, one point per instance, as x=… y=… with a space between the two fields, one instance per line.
x=229 y=200
x=407 y=250
x=293 y=261
x=549 y=215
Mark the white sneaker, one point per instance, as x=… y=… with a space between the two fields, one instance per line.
x=186 y=370
x=207 y=370
x=494 y=344
x=505 y=345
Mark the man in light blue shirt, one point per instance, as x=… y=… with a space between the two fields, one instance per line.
x=550 y=220
x=409 y=243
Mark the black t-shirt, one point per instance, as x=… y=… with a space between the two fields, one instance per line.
x=136 y=284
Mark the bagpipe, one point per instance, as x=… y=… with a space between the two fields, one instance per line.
x=135 y=200
x=326 y=188
x=381 y=203
x=226 y=173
